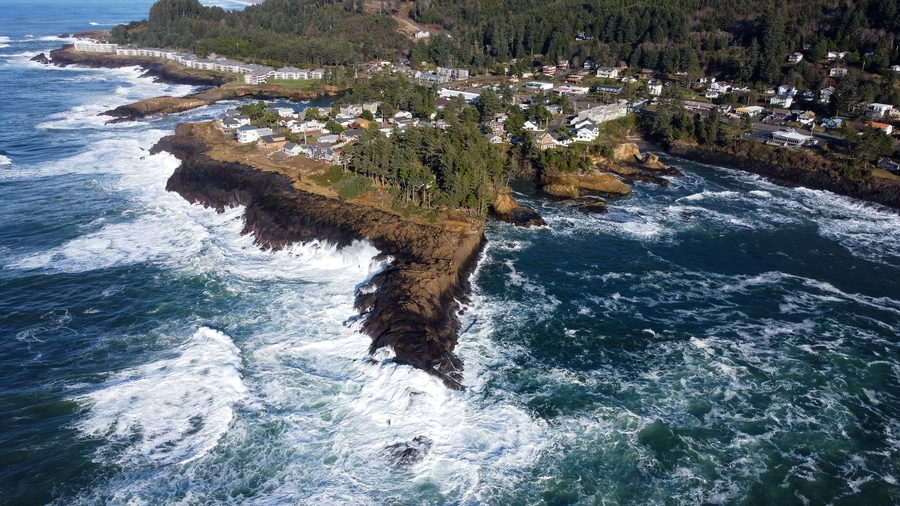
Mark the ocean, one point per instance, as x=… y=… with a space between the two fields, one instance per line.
x=723 y=340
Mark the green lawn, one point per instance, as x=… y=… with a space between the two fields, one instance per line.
x=300 y=85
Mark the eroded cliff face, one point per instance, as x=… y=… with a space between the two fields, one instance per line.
x=409 y=307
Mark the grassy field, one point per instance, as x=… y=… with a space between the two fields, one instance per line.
x=305 y=85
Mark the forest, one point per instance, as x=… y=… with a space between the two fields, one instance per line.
x=745 y=41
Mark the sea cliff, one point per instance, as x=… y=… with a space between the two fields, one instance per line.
x=410 y=307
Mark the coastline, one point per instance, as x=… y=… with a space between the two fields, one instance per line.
x=801 y=169
x=219 y=85
x=410 y=307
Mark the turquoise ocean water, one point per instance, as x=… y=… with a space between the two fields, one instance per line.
x=720 y=341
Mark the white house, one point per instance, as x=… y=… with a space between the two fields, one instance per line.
x=538 y=86
x=878 y=111
x=792 y=138
x=422 y=34
x=291 y=149
x=586 y=131
x=785 y=89
x=94 y=47
x=654 y=87
x=837 y=72
x=795 y=57
x=608 y=72
x=886 y=128
x=247 y=134
x=531 y=126
x=894 y=68
x=781 y=101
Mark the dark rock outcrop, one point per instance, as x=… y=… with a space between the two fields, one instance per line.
x=41 y=58
x=405 y=454
x=150 y=106
x=797 y=169
x=506 y=208
x=410 y=306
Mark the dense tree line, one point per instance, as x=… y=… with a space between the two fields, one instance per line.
x=431 y=168
x=748 y=41
x=304 y=32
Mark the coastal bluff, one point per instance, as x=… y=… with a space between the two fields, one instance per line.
x=411 y=306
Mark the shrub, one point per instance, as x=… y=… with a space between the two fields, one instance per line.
x=353 y=186
x=331 y=176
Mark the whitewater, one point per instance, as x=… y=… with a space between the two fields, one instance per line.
x=723 y=340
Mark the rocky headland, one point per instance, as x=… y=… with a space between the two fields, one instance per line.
x=219 y=85
x=410 y=307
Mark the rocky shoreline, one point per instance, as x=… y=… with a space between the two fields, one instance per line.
x=410 y=307
x=220 y=86
x=801 y=169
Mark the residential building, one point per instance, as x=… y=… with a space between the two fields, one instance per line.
x=878 y=111
x=90 y=46
x=894 y=68
x=572 y=90
x=609 y=88
x=544 y=140
x=608 y=72
x=602 y=113
x=422 y=34
x=781 y=101
x=654 y=87
x=795 y=57
x=247 y=134
x=752 y=110
x=791 y=138
x=886 y=128
x=837 y=72
x=538 y=86
x=291 y=149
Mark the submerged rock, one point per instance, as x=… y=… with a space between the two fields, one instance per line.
x=408 y=453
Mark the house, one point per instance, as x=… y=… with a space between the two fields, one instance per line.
x=785 y=89
x=574 y=78
x=531 y=126
x=422 y=34
x=795 y=57
x=894 y=68
x=328 y=139
x=572 y=90
x=350 y=135
x=781 y=101
x=825 y=95
x=751 y=110
x=806 y=117
x=272 y=141
x=563 y=140
x=538 y=86
x=831 y=124
x=609 y=88
x=544 y=140
x=835 y=55
x=886 y=128
x=720 y=87
x=402 y=115
x=247 y=134
x=229 y=123
x=548 y=70
x=351 y=110
x=589 y=64
x=494 y=138
x=878 y=111
x=496 y=127
x=586 y=131
x=654 y=87
x=607 y=72
x=602 y=113
x=562 y=64
x=291 y=149
x=791 y=138
x=837 y=72
x=710 y=94
x=808 y=96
